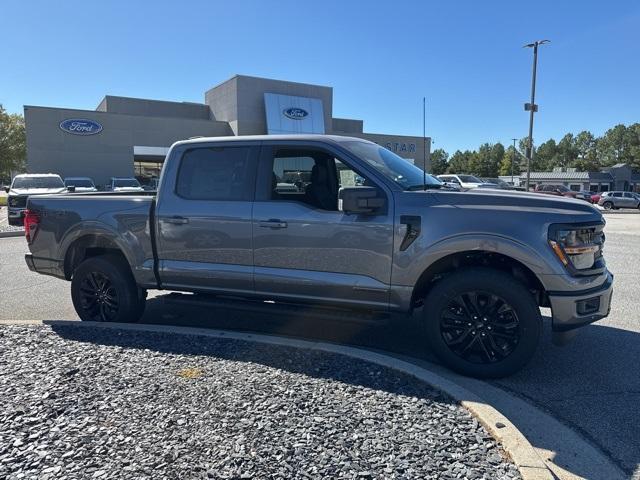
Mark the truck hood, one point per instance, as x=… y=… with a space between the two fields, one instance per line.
x=496 y=201
x=36 y=191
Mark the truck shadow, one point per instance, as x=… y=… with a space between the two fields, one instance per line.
x=589 y=384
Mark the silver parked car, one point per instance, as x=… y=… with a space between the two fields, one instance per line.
x=615 y=200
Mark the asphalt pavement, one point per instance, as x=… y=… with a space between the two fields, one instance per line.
x=591 y=384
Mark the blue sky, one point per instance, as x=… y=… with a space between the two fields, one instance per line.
x=381 y=58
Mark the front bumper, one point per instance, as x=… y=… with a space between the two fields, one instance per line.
x=16 y=216
x=576 y=309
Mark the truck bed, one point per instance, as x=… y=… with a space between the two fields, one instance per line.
x=121 y=217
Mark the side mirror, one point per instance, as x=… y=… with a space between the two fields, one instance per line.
x=71 y=188
x=6 y=189
x=361 y=200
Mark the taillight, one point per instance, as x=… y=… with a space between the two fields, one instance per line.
x=31 y=220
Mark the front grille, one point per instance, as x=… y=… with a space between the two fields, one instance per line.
x=17 y=201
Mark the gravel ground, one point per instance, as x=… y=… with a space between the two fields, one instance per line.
x=95 y=403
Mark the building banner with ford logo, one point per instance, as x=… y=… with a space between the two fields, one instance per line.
x=290 y=114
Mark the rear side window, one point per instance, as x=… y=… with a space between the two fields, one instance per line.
x=217 y=173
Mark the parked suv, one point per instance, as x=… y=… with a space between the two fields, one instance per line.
x=615 y=200
x=124 y=184
x=25 y=185
x=80 y=184
x=558 y=190
x=368 y=231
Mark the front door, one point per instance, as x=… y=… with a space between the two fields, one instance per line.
x=204 y=218
x=305 y=248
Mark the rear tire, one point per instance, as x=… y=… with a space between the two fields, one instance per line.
x=482 y=323
x=103 y=290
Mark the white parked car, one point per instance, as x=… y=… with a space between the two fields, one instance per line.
x=124 y=184
x=81 y=184
x=466 y=181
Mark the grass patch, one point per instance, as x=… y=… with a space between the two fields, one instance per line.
x=190 y=373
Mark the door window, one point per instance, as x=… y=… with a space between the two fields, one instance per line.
x=216 y=173
x=310 y=177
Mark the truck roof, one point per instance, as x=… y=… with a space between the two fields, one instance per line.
x=261 y=138
x=23 y=175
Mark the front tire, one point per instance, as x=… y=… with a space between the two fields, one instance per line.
x=607 y=205
x=104 y=290
x=482 y=323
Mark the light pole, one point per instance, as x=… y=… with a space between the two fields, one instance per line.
x=513 y=160
x=532 y=107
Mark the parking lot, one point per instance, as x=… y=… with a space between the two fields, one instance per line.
x=592 y=384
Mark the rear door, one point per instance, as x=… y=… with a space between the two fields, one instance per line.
x=204 y=217
x=618 y=199
x=305 y=248
x=629 y=200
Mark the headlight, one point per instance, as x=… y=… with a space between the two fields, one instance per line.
x=578 y=248
x=13 y=201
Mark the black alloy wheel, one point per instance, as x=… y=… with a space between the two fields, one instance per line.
x=481 y=322
x=480 y=327
x=103 y=290
x=99 y=298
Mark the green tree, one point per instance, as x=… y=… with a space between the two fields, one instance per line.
x=497 y=153
x=13 y=143
x=488 y=158
x=586 y=146
x=633 y=135
x=463 y=162
x=567 y=151
x=537 y=165
x=511 y=157
x=439 y=161
x=621 y=144
x=546 y=157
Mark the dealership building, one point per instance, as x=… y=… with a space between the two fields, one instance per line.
x=126 y=137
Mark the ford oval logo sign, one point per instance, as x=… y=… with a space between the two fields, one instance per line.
x=80 y=126
x=295 y=113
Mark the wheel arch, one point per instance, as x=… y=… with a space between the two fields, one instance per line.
x=477 y=258
x=87 y=246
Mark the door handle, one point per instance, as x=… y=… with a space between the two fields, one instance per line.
x=273 y=223
x=176 y=220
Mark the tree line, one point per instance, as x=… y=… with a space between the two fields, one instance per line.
x=584 y=152
x=13 y=144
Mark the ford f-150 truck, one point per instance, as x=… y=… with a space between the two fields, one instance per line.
x=25 y=185
x=367 y=231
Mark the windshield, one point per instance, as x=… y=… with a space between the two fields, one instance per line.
x=562 y=188
x=395 y=168
x=469 y=179
x=78 y=182
x=125 y=182
x=37 y=182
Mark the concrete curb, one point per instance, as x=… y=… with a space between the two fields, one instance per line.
x=521 y=452
x=12 y=233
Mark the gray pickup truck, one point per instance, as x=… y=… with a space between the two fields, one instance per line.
x=366 y=231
